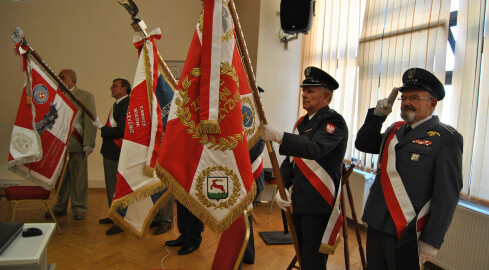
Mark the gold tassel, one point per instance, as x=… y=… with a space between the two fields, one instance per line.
x=209 y=127
x=327 y=249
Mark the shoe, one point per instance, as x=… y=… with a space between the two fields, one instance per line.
x=187 y=250
x=175 y=243
x=79 y=215
x=56 y=214
x=162 y=228
x=113 y=230
x=105 y=221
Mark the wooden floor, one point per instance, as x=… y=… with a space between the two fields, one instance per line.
x=84 y=245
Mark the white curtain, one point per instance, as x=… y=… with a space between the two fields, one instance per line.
x=398 y=35
x=468 y=109
x=332 y=45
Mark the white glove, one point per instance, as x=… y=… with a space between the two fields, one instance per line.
x=384 y=106
x=283 y=204
x=271 y=133
x=97 y=123
x=426 y=252
x=88 y=150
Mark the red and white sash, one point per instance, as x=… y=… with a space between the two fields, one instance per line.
x=322 y=182
x=112 y=123
x=395 y=194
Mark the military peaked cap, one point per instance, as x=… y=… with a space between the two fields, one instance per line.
x=421 y=79
x=318 y=77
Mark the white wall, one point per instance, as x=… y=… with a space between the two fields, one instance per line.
x=94 y=38
x=278 y=72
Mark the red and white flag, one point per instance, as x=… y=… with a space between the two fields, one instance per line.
x=204 y=158
x=42 y=126
x=139 y=193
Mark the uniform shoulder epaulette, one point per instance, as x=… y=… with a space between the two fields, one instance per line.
x=450 y=129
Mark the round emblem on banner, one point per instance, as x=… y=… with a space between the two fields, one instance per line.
x=217 y=187
x=247 y=113
x=40 y=94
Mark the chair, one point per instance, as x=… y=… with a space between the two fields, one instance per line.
x=232 y=244
x=32 y=194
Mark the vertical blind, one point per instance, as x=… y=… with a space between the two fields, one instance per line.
x=368 y=44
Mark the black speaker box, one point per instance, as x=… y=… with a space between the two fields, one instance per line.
x=296 y=15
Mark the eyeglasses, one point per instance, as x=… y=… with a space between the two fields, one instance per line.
x=414 y=98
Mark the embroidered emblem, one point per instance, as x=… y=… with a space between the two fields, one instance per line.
x=423 y=142
x=248 y=112
x=228 y=102
x=48 y=120
x=307 y=72
x=411 y=73
x=40 y=94
x=415 y=157
x=330 y=128
x=433 y=133
x=21 y=142
x=222 y=187
x=217 y=187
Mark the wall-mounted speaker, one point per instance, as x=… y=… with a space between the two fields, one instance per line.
x=296 y=15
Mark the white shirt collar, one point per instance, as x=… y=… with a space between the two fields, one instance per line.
x=421 y=121
x=120 y=99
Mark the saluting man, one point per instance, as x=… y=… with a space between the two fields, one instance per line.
x=413 y=199
x=318 y=146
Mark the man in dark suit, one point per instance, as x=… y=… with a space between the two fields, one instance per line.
x=318 y=146
x=416 y=189
x=112 y=134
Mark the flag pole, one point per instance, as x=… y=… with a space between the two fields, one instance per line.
x=139 y=26
x=261 y=113
x=18 y=37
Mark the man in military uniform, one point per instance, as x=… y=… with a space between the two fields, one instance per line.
x=80 y=145
x=416 y=189
x=318 y=146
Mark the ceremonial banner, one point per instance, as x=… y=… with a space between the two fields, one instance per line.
x=139 y=194
x=42 y=126
x=204 y=158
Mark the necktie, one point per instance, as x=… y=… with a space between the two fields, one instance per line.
x=306 y=119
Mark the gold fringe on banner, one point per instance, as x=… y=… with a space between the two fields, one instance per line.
x=209 y=127
x=327 y=249
x=200 y=212
x=119 y=220
x=148 y=171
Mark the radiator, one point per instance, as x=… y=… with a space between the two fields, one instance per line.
x=360 y=183
x=466 y=243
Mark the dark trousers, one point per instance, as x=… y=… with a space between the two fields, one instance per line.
x=189 y=226
x=110 y=171
x=310 y=230
x=387 y=252
x=165 y=214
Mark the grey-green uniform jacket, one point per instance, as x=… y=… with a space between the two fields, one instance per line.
x=89 y=131
x=429 y=161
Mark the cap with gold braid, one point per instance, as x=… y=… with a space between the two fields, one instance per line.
x=318 y=77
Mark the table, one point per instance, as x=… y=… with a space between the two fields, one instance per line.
x=26 y=253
